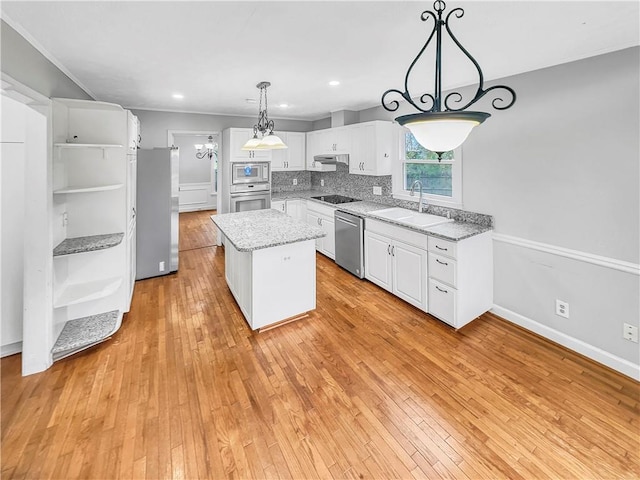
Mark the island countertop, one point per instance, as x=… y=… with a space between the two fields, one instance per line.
x=257 y=229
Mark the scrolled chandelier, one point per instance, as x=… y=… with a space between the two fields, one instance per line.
x=267 y=139
x=206 y=150
x=441 y=124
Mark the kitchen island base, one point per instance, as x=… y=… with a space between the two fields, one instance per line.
x=272 y=285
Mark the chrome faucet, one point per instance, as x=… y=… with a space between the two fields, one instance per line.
x=413 y=187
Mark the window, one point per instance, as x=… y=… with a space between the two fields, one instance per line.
x=441 y=179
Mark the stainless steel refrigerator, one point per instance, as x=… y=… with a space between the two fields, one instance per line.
x=157 y=212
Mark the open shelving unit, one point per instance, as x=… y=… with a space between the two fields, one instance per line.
x=90 y=218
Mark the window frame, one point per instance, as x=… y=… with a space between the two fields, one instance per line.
x=399 y=192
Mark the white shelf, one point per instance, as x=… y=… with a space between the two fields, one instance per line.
x=87 y=145
x=88 y=189
x=74 y=293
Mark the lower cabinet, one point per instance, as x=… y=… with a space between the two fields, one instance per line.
x=294 y=207
x=453 y=281
x=397 y=267
x=322 y=216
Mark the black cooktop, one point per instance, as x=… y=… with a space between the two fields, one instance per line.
x=335 y=199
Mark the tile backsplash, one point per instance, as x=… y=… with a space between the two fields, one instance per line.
x=340 y=182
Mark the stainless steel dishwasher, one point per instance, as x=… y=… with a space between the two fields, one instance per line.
x=350 y=242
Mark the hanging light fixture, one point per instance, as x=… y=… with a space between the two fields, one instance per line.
x=206 y=150
x=265 y=127
x=436 y=129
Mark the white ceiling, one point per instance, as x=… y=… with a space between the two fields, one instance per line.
x=137 y=54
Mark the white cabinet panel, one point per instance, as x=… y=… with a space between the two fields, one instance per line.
x=377 y=260
x=410 y=274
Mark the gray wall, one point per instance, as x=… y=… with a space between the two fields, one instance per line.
x=22 y=62
x=155 y=125
x=561 y=168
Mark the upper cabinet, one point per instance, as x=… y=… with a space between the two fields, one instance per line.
x=238 y=137
x=374 y=146
x=291 y=158
x=371 y=146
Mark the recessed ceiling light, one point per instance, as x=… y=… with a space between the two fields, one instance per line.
x=284 y=105
x=334 y=83
x=178 y=96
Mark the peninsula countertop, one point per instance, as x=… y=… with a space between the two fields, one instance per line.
x=257 y=229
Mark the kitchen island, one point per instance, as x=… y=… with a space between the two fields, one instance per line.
x=270 y=265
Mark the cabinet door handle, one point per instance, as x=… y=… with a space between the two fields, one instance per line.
x=441 y=290
x=393 y=251
x=441 y=263
x=388 y=249
x=443 y=249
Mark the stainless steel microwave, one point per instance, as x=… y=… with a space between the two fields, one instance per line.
x=249 y=172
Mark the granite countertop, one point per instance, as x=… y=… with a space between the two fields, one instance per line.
x=257 y=229
x=90 y=243
x=455 y=231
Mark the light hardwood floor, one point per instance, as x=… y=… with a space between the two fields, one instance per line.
x=367 y=387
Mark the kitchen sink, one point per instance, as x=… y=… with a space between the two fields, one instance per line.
x=410 y=217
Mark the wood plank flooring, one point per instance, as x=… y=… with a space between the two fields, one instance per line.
x=366 y=387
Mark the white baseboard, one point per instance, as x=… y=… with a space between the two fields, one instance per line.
x=10 y=349
x=594 y=353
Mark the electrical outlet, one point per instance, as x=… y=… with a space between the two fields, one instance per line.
x=562 y=308
x=295 y=181
x=322 y=182
x=377 y=190
x=629 y=332
x=161 y=266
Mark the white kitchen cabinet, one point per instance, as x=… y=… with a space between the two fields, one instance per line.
x=237 y=138
x=323 y=216
x=451 y=280
x=332 y=141
x=279 y=205
x=294 y=207
x=297 y=208
x=460 y=278
x=374 y=148
x=291 y=158
x=313 y=149
x=398 y=267
x=93 y=221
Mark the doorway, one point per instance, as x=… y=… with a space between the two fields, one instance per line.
x=198 y=168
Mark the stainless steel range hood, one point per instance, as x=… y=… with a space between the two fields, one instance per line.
x=330 y=159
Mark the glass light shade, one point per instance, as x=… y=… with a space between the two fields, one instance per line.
x=251 y=144
x=442 y=131
x=271 y=142
x=208 y=146
x=198 y=146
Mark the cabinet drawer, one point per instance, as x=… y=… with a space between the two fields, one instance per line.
x=442 y=301
x=320 y=208
x=442 y=268
x=442 y=247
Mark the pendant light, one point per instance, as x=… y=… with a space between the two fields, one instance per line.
x=269 y=140
x=436 y=129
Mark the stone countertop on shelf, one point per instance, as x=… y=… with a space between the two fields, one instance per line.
x=90 y=243
x=257 y=229
x=454 y=231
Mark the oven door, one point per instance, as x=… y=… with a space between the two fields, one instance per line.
x=242 y=202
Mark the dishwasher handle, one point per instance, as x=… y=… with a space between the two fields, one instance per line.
x=344 y=220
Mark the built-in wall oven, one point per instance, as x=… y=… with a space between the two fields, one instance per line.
x=250 y=186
